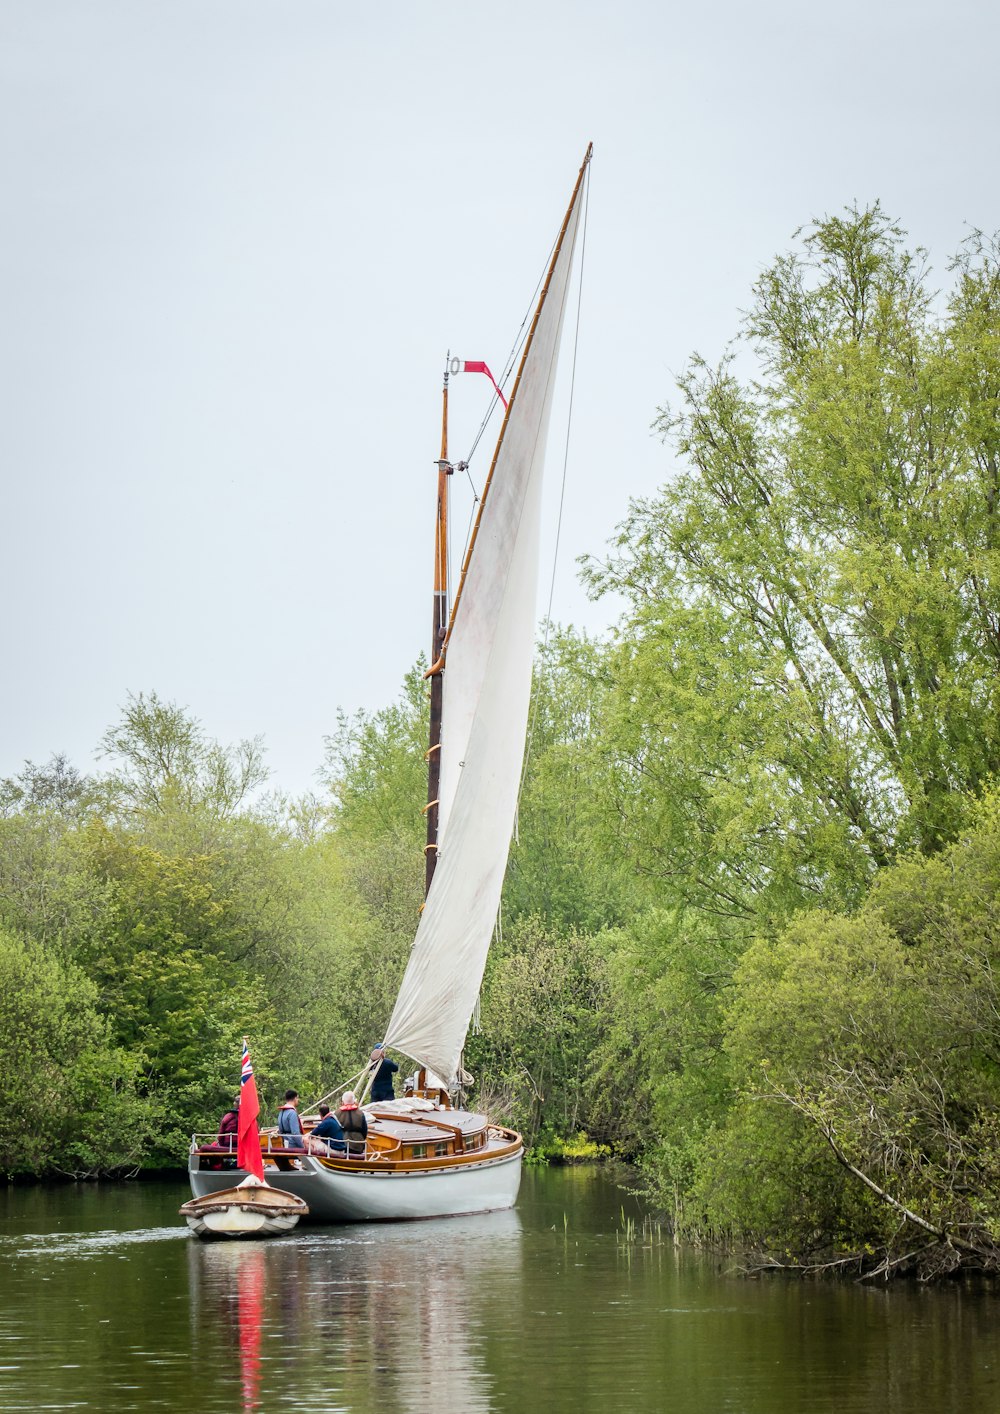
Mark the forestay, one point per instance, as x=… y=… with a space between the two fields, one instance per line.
x=487 y=686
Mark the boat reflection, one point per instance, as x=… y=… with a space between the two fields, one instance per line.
x=393 y=1315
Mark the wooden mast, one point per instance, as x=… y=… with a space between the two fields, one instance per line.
x=439 y=627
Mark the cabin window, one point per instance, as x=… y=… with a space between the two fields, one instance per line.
x=442 y=1148
x=419 y=1151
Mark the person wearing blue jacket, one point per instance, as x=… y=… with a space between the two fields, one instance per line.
x=382 y=1084
x=329 y=1131
x=289 y=1124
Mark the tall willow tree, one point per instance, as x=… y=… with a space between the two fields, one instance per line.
x=807 y=671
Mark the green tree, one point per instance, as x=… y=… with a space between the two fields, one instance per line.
x=197 y=917
x=806 y=672
x=661 y=1079
x=542 y=1013
x=56 y=787
x=566 y=864
x=375 y=768
x=164 y=758
x=69 y=1098
x=376 y=773
x=866 y=1051
x=47 y=889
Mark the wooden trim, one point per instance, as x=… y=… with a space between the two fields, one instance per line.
x=455 y=1130
x=435 y=1161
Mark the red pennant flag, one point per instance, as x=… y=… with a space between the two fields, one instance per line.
x=477 y=366
x=248 y=1154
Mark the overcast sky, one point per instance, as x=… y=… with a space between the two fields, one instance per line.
x=239 y=237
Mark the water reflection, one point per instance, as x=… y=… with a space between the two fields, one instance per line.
x=108 y=1305
x=398 y=1316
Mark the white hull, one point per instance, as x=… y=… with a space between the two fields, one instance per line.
x=339 y=1195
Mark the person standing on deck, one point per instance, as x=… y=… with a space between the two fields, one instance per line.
x=382 y=1084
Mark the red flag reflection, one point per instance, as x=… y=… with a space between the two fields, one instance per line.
x=250 y=1285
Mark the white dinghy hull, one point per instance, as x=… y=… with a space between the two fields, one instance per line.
x=231 y=1221
x=251 y=1209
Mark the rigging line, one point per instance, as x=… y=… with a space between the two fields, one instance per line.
x=562 y=491
x=509 y=366
x=512 y=357
x=339 y=1089
x=468 y=528
x=489 y=413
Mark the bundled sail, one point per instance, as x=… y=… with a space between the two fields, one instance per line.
x=487 y=687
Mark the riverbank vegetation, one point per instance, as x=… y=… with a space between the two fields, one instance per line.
x=749 y=937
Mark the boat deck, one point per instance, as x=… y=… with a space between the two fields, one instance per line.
x=433 y=1163
x=396 y=1137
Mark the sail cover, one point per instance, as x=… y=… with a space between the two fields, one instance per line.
x=487 y=687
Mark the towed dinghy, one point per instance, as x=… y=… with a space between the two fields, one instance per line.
x=251 y=1209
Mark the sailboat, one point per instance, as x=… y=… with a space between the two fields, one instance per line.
x=426 y=1155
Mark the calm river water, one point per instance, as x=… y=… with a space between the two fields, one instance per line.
x=108 y=1304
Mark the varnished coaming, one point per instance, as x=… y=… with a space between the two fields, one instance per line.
x=382 y=1161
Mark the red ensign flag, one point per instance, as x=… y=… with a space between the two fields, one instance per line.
x=248 y=1145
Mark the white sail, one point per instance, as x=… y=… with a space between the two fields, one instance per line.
x=487 y=686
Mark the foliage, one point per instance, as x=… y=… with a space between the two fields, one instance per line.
x=868 y=1054
x=194 y=922
x=376 y=774
x=565 y=863
x=375 y=769
x=661 y=1076
x=47 y=889
x=57 y=786
x=164 y=758
x=542 y=1013
x=807 y=666
x=578 y=1148
x=68 y=1097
